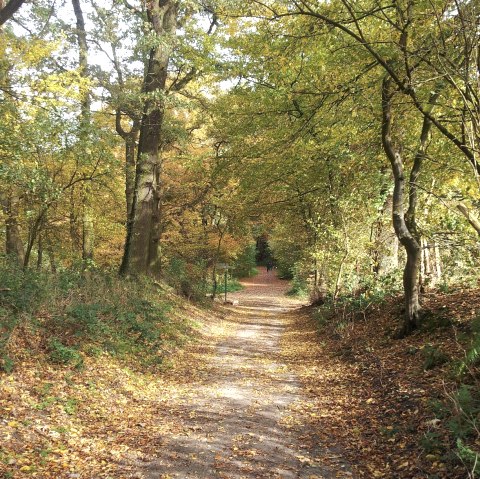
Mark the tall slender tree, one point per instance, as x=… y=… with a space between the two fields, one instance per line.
x=88 y=232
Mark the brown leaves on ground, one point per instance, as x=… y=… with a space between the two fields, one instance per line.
x=97 y=422
x=370 y=395
x=366 y=400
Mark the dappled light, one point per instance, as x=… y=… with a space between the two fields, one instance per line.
x=239 y=239
x=237 y=412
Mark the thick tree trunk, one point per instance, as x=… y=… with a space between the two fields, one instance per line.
x=10 y=201
x=130 y=163
x=141 y=255
x=7 y=9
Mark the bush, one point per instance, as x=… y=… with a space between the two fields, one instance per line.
x=22 y=290
x=61 y=354
x=299 y=288
x=90 y=314
x=244 y=266
x=22 y=293
x=472 y=354
x=460 y=413
x=85 y=319
x=187 y=279
x=232 y=285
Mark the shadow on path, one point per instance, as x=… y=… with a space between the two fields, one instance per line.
x=236 y=422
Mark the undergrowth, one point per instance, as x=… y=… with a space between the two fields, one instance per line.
x=93 y=314
x=455 y=434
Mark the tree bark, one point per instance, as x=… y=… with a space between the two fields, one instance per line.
x=471 y=218
x=130 y=139
x=10 y=199
x=7 y=11
x=39 y=252
x=88 y=230
x=405 y=236
x=13 y=241
x=404 y=223
x=141 y=255
x=385 y=249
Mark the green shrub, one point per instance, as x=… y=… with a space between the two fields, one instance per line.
x=431 y=442
x=22 y=289
x=244 y=265
x=232 y=285
x=468 y=456
x=460 y=413
x=61 y=354
x=465 y=411
x=187 y=279
x=472 y=354
x=92 y=314
x=6 y=363
x=86 y=319
x=299 y=287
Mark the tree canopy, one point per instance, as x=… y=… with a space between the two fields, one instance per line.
x=144 y=135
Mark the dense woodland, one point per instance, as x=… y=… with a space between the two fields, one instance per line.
x=143 y=143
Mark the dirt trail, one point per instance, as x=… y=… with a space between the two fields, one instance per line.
x=238 y=422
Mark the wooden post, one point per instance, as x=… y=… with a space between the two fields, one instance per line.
x=226 y=281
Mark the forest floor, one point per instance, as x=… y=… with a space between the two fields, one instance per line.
x=265 y=392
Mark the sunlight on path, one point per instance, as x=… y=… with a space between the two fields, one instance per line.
x=236 y=423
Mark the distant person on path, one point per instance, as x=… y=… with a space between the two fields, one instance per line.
x=269 y=266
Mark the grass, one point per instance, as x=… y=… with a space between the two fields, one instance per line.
x=70 y=316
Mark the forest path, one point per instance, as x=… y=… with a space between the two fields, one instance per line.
x=236 y=418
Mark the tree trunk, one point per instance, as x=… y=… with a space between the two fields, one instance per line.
x=7 y=9
x=385 y=251
x=471 y=218
x=39 y=252
x=130 y=139
x=73 y=223
x=405 y=223
x=438 y=262
x=10 y=199
x=33 y=233
x=130 y=163
x=141 y=255
x=51 y=254
x=13 y=241
x=88 y=231
x=405 y=236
